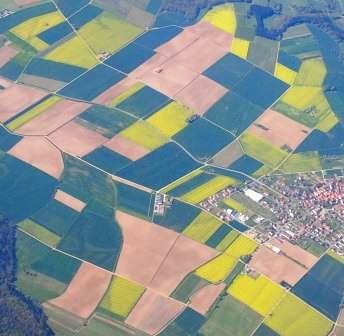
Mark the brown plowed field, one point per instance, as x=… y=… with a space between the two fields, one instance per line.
x=85 y=291
x=39 y=153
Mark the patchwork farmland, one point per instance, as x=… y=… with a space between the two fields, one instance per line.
x=172 y=177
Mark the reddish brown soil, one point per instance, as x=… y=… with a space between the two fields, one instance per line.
x=69 y=200
x=294 y=252
x=279 y=129
x=41 y=154
x=153 y=312
x=203 y=299
x=126 y=148
x=6 y=53
x=201 y=94
x=276 y=266
x=185 y=256
x=76 y=139
x=54 y=117
x=25 y=2
x=178 y=43
x=17 y=98
x=110 y=94
x=145 y=245
x=181 y=60
x=85 y=291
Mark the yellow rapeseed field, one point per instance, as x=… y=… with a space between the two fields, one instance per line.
x=209 y=188
x=171 y=119
x=294 y=317
x=240 y=47
x=121 y=296
x=74 y=52
x=285 y=74
x=261 y=294
x=218 y=269
x=222 y=17
x=28 y=30
x=144 y=134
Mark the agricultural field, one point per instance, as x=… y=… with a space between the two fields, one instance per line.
x=174 y=168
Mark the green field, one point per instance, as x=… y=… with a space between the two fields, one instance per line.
x=262 y=150
x=108 y=33
x=231 y=318
x=202 y=227
x=302 y=162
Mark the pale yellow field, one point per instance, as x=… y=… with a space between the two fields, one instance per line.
x=285 y=74
x=202 y=227
x=121 y=296
x=182 y=180
x=229 y=239
x=28 y=30
x=144 y=134
x=122 y=97
x=294 y=317
x=74 y=52
x=312 y=72
x=40 y=232
x=209 y=188
x=33 y=113
x=171 y=119
x=240 y=47
x=235 y=205
x=108 y=33
x=222 y=17
x=327 y=123
x=261 y=294
x=301 y=97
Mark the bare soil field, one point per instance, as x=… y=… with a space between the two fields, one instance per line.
x=153 y=311
x=295 y=252
x=69 y=200
x=126 y=147
x=178 y=43
x=228 y=155
x=145 y=246
x=41 y=154
x=25 y=2
x=201 y=94
x=54 y=117
x=279 y=129
x=114 y=91
x=85 y=291
x=184 y=257
x=76 y=139
x=276 y=266
x=10 y=105
x=204 y=298
x=211 y=32
x=181 y=60
x=6 y=53
x=5 y=83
